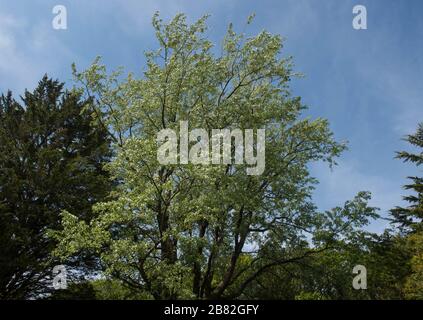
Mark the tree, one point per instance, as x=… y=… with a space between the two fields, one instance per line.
x=51 y=159
x=100 y=289
x=411 y=217
x=413 y=288
x=328 y=274
x=410 y=220
x=197 y=231
x=75 y=291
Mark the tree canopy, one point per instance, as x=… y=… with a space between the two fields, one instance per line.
x=195 y=231
x=412 y=216
x=51 y=159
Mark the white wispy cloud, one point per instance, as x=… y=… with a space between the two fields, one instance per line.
x=14 y=67
x=28 y=50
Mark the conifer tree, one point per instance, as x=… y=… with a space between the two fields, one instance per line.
x=51 y=159
x=411 y=216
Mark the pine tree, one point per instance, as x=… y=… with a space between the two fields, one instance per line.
x=411 y=216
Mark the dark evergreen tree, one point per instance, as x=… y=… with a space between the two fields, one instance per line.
x=411 y=217
x=51 y=159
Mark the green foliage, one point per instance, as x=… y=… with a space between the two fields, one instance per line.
x=190 y=231
x=414 y=283
x=75 y=291
x=100 y=289
x=80 y=184
x=107 y=289
x=412 y=216
x=51 y=159
x=328 y=274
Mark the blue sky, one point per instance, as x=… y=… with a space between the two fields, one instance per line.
x=368 y=83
